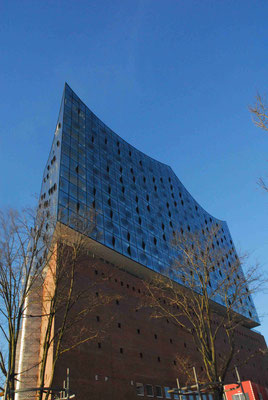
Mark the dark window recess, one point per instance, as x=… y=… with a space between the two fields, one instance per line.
x=155 y=336
x=105 y=141
x=174 y=362
x=155 y=240
x=113 y=240
x=128 y=236
x=158 y=359
x=58 y=143
x=171 y=341
x=122 y=283
x=143 y=245
x=96 y=272
x=121 y=350
x=149 y=390
x=117 y=302
x=129 y=250
x=99 y=345
x=138 y=331
x=158 y=391
x=140 y=220
x=141 y=355
x=98 y=318
x=97 y=294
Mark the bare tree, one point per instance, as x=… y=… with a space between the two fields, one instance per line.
x=67 y=301
x=21 y=246
x=204 y=275
x=41 y=262
x=259 y=112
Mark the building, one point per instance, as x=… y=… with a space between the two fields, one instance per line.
x=248 y=391
x=139 y=203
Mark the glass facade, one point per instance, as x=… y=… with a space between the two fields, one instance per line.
x=139 y=203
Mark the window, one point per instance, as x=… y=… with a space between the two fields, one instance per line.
x=168 y=395
x=138 y=331
x=139 y=389
x=121 y=350
x=158 y=391
x=240 y=396
x=149 y=390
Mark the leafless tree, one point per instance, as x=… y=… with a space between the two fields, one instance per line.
x=21 y=246
x=67 y=301
x=204 y=275
x=40 y=263
x=259 y=113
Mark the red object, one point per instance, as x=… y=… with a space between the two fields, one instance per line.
x=252 y=391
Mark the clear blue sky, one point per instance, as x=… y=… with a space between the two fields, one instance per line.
x=172 y=77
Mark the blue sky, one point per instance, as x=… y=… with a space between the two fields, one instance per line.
x=174 y=78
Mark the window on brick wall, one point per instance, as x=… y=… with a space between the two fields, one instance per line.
x=149 y=390
x=168 y=395
x=139 y=389
x=158 y=391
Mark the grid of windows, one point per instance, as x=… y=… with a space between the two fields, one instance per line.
x=137 y=203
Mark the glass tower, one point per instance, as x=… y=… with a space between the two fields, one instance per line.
x=138 y=202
